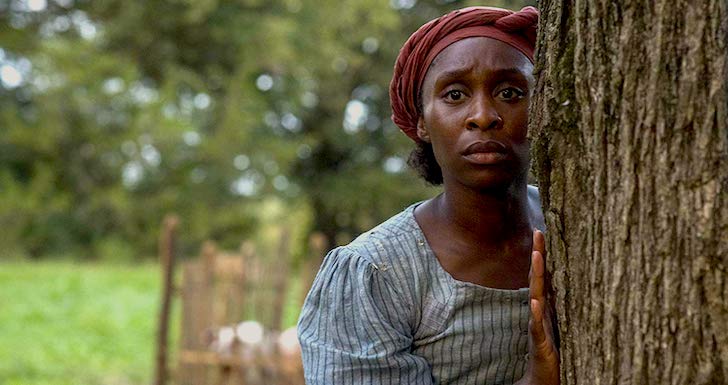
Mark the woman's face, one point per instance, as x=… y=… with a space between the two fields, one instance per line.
x=475 y=112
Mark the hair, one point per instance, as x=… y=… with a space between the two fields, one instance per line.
x=422 y=159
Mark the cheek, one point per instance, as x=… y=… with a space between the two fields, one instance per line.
x=519 y=126
x=438 y=123
x=439 y=144
x=440 y=139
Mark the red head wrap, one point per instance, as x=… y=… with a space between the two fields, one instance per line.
x=518 y=29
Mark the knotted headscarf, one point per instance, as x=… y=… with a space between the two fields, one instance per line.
x=517 y=29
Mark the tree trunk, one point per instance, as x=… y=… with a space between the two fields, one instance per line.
x=630 y=142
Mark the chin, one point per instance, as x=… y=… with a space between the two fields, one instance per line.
x=490 y=182
x=493 y=186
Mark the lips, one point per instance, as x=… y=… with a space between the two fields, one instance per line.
x=486 y=152
x=485 y=146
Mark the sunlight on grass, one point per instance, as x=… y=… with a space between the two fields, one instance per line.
x=65 y=323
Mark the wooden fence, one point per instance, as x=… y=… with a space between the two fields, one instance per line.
x=232 y=315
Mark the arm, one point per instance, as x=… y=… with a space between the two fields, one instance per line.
x=543 y=365
x=354 y=328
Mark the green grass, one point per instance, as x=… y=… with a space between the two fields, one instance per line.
x=78 y=324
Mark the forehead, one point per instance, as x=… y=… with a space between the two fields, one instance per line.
x=482 y=54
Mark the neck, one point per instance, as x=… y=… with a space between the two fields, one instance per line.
x=492 y=216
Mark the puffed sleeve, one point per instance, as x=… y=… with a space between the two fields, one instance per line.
x=354 y=327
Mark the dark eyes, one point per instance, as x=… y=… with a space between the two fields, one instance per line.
x=454 y=95
x=511 y=94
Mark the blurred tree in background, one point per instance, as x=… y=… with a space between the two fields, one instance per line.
x=235 y=114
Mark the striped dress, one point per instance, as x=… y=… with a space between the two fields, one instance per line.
x=382 y=310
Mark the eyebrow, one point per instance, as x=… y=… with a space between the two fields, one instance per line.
x=448 y=76
x=454 y=74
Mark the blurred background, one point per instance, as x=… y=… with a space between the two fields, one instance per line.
x=261 y=123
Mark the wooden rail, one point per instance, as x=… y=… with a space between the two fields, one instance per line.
x=219 y=290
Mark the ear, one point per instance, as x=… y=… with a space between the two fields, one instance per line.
x=422 y=131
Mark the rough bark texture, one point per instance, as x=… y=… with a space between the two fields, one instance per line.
x=630 y=140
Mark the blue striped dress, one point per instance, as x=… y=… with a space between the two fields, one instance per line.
x=382 y=310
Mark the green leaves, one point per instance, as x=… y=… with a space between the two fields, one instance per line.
x=129 y=110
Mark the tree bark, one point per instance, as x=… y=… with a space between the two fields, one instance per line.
x=630 y=139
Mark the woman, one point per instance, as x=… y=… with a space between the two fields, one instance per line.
x=439 y=294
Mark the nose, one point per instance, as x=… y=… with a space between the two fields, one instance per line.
x=483 y=115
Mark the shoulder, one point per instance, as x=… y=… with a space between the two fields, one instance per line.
x=397 y=250
x=357 y=318
x=394 y=241
x=390 y=254
x=364 y=274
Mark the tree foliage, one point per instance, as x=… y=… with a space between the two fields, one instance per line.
x=113 y=113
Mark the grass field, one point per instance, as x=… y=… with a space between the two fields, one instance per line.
x=78 y=324
x=64 y=323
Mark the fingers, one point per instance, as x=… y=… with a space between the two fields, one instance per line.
x=543 y=365
x=537 y=271
x=536 y=277
x=537 y=291
x=538 y=335
x=539 y=243
x=541 y=286
x=544 y=361
x=537 y=299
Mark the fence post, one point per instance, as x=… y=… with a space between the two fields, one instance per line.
x=209 y=256
x=280 y=288
x=167 y=256
x=247 y=299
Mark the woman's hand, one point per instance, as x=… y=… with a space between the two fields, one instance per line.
x=543 y=363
